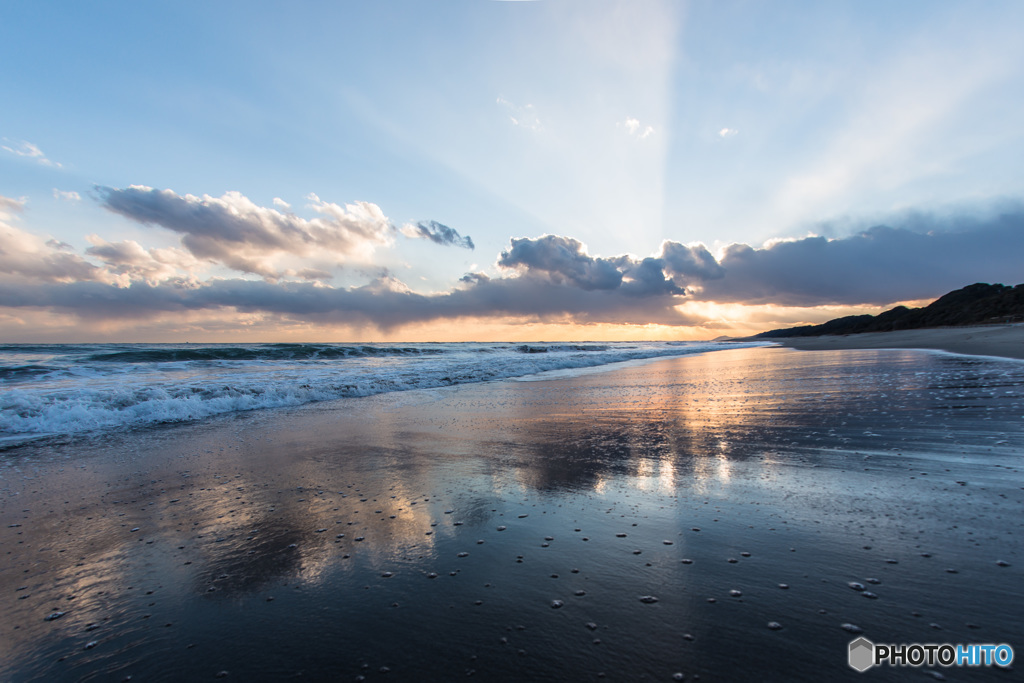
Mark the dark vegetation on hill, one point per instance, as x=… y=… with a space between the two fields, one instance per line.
x=976 y=304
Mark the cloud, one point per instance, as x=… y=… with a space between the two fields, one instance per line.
x=385 y=304
x=634 y=128
x=24 y=255
x=523 y=116
x=561 y=259
x=282 y=203
x=234 y=231
x=27 y=149
x=690 y=262
x=9 y=206
x=727 y=132
x=133 y=262
x=923 y=257
x=437 y=233
x=68 y=196
x=551 y=278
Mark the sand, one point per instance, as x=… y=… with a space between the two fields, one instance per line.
x=516 y=531
x=1006 y=341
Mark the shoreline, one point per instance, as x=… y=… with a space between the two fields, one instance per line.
x=1002 y=341
x=699 y=515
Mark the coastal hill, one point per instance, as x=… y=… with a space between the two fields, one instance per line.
x=976 y=304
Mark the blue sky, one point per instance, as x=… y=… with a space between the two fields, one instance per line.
x=316 y=151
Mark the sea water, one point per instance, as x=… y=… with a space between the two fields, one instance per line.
x=60 y=389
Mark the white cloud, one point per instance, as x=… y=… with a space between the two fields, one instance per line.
x=523 y=116
x=24 y=255
x=233 y=231
x=9 y=207
x=131 y=262
x=727 y=132
x=28 y=150
x=69 y=195
x=636 y=129
x=282 y=203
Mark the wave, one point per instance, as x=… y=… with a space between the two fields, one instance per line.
x=559 y=348
x=21 y=372
x=129 y=386
x=269 y=352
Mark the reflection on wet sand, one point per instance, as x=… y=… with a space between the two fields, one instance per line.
x=435 y=536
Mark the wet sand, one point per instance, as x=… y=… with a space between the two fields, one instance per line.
x=1006 y=341
x=427 y=536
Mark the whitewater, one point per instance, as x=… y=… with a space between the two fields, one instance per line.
x=53 y=389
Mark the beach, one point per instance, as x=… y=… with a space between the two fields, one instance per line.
x=733 y=515
x=1005 y=341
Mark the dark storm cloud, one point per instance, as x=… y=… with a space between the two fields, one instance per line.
x=438 y=233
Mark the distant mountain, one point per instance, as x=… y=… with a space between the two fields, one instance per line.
x=975 y=304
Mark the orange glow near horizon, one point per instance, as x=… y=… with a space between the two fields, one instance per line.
x=710 y=320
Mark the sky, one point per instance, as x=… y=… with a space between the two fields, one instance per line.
x=500 y=170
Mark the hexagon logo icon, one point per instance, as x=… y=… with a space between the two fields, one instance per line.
x=862 y=654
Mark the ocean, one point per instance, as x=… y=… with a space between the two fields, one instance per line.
x=65 y=389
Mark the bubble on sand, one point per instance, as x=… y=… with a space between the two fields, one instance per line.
x=873 y=581
x=580 y=593
x=502 y=528
x=851 y=628
x=784 y=586
x=557 y=604
x=870 y=595
x=620 y=535
x=592 y=626
x=549 y=538
x=432 y=575
x=679 y=676
x=1002 y=563
x=856 y=586
x=735 y=593
x=745 y=554
x=387 y=575
x=774 y=625
x=463 y=554
x=732 y=560
x=53 y=615
x=667 y=542
x=648 y=599
x=686 y=561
